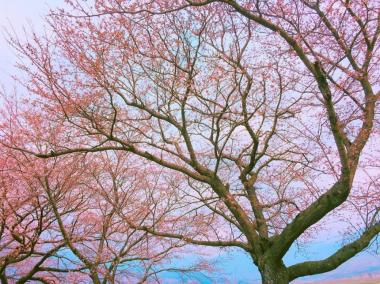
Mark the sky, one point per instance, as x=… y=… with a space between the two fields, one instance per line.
x=233 y=266
x=16 y=15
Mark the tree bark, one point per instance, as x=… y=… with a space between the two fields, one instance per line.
x=273 y=272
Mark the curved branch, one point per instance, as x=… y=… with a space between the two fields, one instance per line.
x=332 y=262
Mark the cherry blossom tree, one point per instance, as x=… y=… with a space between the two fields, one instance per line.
x=68 y=220
x=29 y=248
x=264 y=114
x=113 y=193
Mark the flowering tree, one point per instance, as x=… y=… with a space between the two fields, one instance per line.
x=28 y=245
x=68 y=220
x=263 y=112
x=99 y=195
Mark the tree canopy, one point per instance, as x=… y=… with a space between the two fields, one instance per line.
x=150 y=125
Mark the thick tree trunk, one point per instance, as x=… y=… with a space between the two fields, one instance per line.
x=274 y=273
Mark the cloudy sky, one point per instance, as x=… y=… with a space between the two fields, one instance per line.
x=234 y=265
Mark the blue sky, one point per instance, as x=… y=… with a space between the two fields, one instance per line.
x=234 y=266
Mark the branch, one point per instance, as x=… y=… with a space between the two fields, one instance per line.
x=273 y=27
x=332 y=262
x=316 y=211
x=189 y=240
x=123 y=147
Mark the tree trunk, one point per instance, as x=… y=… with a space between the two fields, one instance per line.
x=273 y=272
